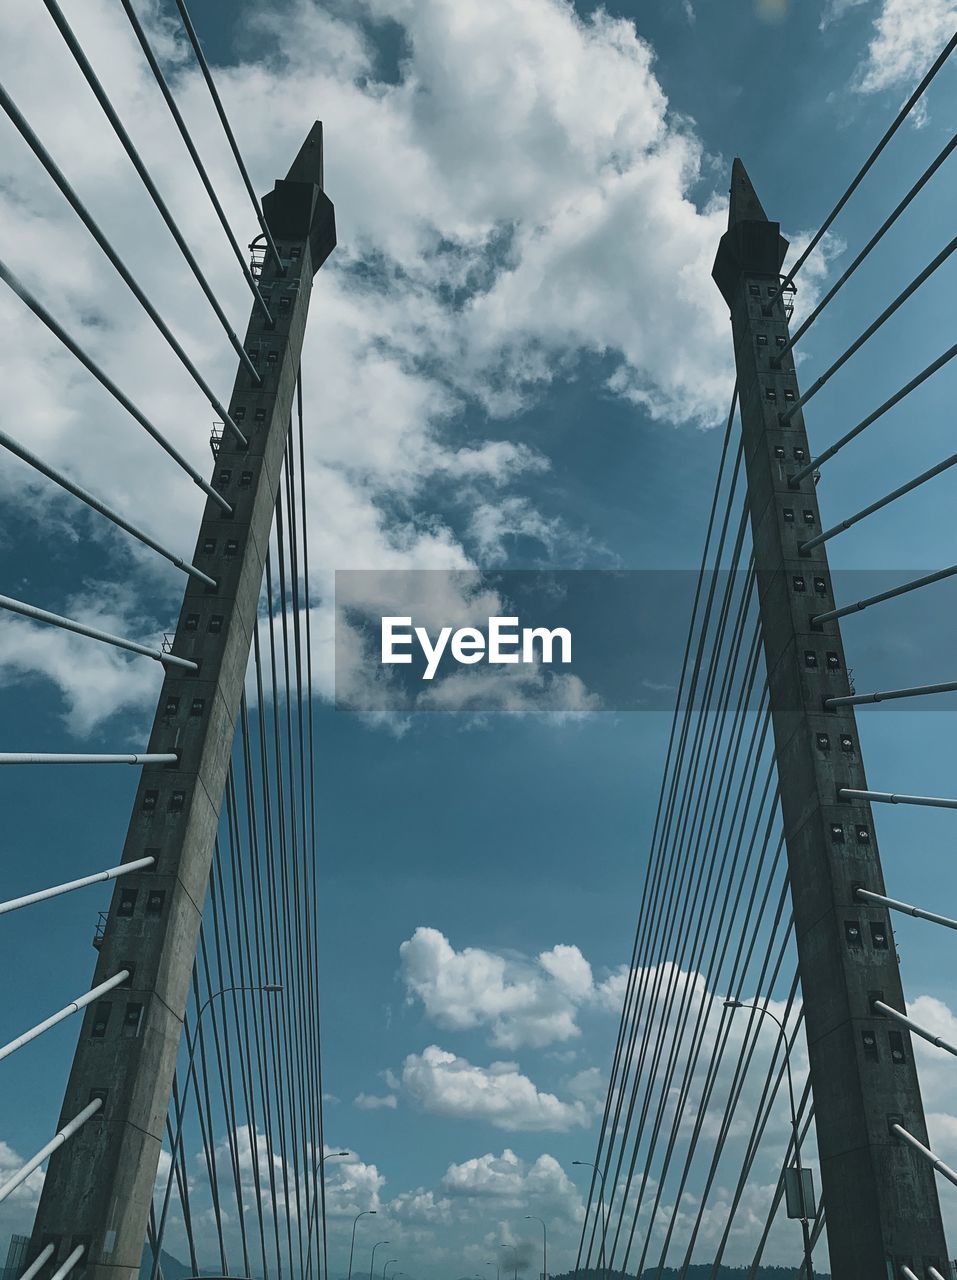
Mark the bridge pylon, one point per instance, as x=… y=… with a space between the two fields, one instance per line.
x=881 y=1197
x=99 y=1185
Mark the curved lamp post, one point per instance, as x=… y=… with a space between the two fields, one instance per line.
x=498 y=1269
x=385 y=1265
x=604 y=1211
x=352 y=1247
x=329 y=1155
x=266 y=988
x=805 y=1231
x=530 y=1217
x=514 y=1260
x=374 y=1247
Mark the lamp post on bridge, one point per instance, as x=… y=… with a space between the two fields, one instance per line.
x=386 y=1265
x=498 y=1269
x=374 y=1247
x=515 y=1258
x=320 y=1164
x=267 y=988
x=604 y=1211
x=733 y=1004
x=352 y=1247
x=530 y=1217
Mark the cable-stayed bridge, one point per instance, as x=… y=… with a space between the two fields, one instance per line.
x=200 y=1027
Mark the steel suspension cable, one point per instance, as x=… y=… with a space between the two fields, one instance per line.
x=898 y=120
x=665 y=910
x=818 y=461
x=224 y=120
x=80 y=209
x=121 y=522
x=739 y=1079
x=187 y=137
x=40 y=311
x=871 y=244
x=654 y=976
x=689 y=890
x=722 y=936
x=932 y=266
x=312 y=843
x=676 y=719
x=758 y=1129
x=76 y=49
x=763 y=981
x=779 y=1191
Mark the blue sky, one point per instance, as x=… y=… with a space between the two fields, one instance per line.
x=516 y=359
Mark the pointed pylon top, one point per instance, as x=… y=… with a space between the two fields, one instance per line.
x=745 y=205
x=307 y=166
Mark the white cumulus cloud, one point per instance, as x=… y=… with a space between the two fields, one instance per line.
x=444 y=1084
x=522 y=1001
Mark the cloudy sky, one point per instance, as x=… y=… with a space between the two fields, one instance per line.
x=516 y=358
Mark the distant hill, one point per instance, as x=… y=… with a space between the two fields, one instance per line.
x=171 y=1267
x=698 y=1271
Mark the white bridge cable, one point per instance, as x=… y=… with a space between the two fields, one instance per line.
x=932 y=266
x=73 y=1007
x=227 y=129
x=896 y=123
x=888 y=498
x=895 y=1015
x=938 y=1165
x=892 y=797
x=40 y=311
x=94 y=633
x=85 y=496
x=187 y=137
x=69 y=1262
x=888 y=695
x=63 y=1135
x=927 y=580
x=80 y=209
x=36 y=757
x=871 y=244
x=109 y=111
x=98 y=877
x=866 y=895
x=818 y=461
x=38 y=1262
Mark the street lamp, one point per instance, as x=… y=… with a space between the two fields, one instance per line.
x=498 y=1269
x=329 y=1155
x=386 y=1265
x=269 y=988
x=352 y=1247
x=604 y=1211
x=733 y=1004
x=530 y=1217
x=514 y=1260
x=374 y=1247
